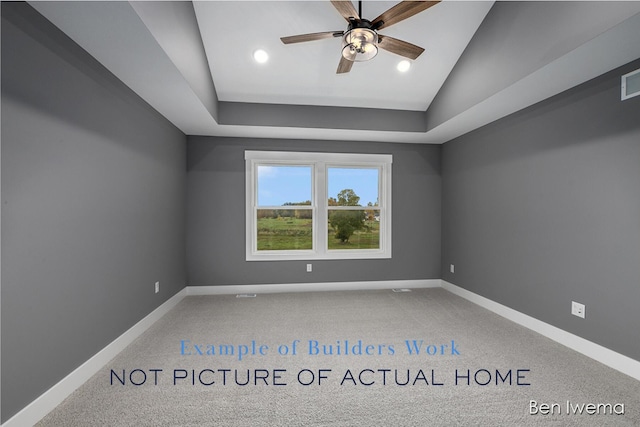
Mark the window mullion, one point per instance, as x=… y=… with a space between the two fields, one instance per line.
x=321 y=205
x=385 y=208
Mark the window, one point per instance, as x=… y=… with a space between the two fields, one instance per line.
x=304 y=206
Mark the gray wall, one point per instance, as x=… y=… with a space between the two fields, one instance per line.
x=93 y=201
x=323 y=117
x=543 y=207
x=216 y=220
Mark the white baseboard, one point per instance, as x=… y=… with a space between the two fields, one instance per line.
x=40 y=407
x=312 y=287
x=608 y=357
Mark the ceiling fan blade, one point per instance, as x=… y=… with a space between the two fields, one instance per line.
x=310 y=37
x=344 y=66
x=346 y=9
x=399 y=47
x=400 y=12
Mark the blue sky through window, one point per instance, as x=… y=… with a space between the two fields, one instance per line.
x=363 y=181
x=278 y=185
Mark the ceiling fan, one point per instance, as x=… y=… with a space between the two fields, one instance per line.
x=360 y=41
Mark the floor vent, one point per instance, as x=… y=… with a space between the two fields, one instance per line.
x=401 y=290
x=631 y=85
x=246 y=296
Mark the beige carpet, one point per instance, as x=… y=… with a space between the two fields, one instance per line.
x=474 y=368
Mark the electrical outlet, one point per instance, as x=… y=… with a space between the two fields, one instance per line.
x=452 y=268
x=157 y=287
x=577 y=309
x=309 y=268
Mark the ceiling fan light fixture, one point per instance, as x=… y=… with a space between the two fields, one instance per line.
x=360 y=44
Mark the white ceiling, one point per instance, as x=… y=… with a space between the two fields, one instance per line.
x=187 y=59
x=305 y=73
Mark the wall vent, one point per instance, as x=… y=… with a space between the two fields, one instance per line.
x=631 y=85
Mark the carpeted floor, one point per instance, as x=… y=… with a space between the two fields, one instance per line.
x=474 y=368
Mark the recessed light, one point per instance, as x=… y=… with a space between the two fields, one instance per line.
x=260 y=56
x=403 y=66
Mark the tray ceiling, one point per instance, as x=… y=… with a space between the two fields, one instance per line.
x=192 y=62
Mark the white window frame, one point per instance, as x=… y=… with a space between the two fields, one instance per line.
x=319 y=163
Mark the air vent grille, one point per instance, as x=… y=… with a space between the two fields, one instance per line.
x=631 y=85
x=246 y=296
